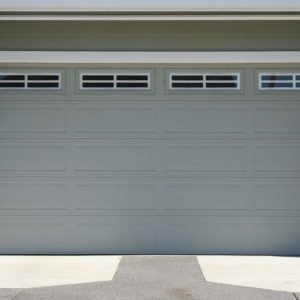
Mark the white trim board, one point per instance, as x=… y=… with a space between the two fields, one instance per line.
x=146 y=5
x=152 y=17
x=128 y=57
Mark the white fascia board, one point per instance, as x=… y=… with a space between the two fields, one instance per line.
x=146 y=5
x=80 y=57
x=181 y=17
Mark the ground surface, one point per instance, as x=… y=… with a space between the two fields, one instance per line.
x=150 y=278
x=29 y=271
x=265 y=272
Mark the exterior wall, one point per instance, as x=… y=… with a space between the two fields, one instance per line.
x=151 y=36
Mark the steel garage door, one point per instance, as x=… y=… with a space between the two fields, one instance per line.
x=138 y=164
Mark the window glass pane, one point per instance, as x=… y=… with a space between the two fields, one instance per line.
x=30 y=80
x=205 y=81
x=98 y=77
x=132 y=77
x=12 y=77
x=187 y=85
x=221 y=85
x=43 y=77
x=221 y=77
x=187 y=77
x=277 y=85
x=132 y=84
x=43 y=85
x=115 y=81
x=12 y=85
x=276 y=77
x=97 y=84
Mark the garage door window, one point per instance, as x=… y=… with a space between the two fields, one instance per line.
x=30 y=81
x=279 y=81
x=104 y=81
x=201 y=81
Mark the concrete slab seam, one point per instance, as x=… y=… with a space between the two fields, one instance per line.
x=199 y=266
x=15 y=296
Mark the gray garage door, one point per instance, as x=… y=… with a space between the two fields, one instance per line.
x=150 y=160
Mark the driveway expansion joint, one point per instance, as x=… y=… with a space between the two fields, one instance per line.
x=18 y=294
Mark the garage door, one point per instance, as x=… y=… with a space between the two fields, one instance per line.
x=150 y=160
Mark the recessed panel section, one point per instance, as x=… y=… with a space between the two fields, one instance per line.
x=277 y=238
x=205 y=238
x=279 y=196
x=114 y=158
x=277 y=119
x=115 y=237
x=95 y=119
x=31 y=237
x=32 y=119
x=32 y=158
x=206 y=197
x=32 y=196
x=191 y=158
x=116 y=196
x=214 y=119
x=277 y=158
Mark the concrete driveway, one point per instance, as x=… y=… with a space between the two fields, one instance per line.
x=150 y=278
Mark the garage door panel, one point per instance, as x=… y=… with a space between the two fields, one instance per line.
x=160 y=171
x=210 y=196
x=278 y=238
x=28 y=119
x=205 y=237
x=115 y=237
x=32 y=157
x=277 y=196
x=205 y=158
x=116 y=119
x=33 y=196
x=205 y=119
x=32 y=236
x=114 y=158
x=81 y=195
x=116 y=196
x=283 y=118
x=277 y=158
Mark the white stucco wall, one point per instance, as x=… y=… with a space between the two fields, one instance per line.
x=150 y=5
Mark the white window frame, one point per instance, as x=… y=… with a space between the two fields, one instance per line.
x=26 y=80
x=115 y=81
x=294 y=81
x=204 y=81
